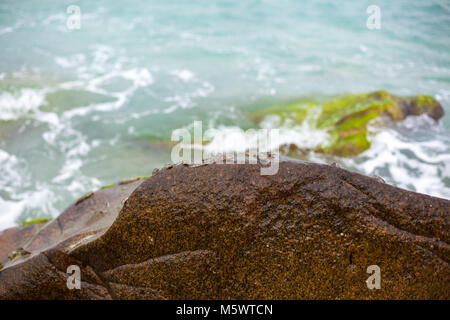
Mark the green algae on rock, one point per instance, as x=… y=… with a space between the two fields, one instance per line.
x=345 y=118
x=35 y=221
x=107 y=186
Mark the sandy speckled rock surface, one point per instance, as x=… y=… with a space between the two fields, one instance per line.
x=226 y=232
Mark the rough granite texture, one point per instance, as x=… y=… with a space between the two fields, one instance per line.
x=225 y=232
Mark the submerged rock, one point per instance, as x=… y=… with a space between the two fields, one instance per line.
x=226 y=232
x=345 y=119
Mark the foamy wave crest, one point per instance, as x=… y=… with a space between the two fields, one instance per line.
x=413 y=154
x=11 y=179
x=15 y=105
x=225 y=139
x=420 y=164
x=184 y=75
x=15 y=203
x=185 y=100
x=22 y=198
x=139 y=77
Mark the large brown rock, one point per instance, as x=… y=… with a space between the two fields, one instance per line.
x=225 y=232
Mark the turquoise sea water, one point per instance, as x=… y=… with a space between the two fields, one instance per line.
x=87 y=107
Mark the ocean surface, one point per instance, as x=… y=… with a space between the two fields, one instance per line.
x=82 y=108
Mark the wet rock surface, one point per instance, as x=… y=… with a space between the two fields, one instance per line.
x=41 y=274
x=14 y=238
x=225 y=232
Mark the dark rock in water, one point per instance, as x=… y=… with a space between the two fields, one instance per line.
x=226 y=232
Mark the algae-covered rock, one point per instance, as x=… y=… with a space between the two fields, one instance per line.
x=345 y=118
x=226 y=232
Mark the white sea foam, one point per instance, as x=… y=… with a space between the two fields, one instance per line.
x=70 y=62
x=9 y=171
x=14 y=105
x=139 y=77
x=13 y=179
x=185 y=100
x=34 y=196
x=304 y=136
x=6 y=30
x=419 y=166
x=184 y=75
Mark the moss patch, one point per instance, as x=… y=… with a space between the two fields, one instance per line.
x=345 y=118
x=26 y=223
x=107 y=186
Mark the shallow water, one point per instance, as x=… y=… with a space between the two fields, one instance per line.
x=84 y=108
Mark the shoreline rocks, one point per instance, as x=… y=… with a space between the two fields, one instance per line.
x=346 y=117
x=226 y=232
